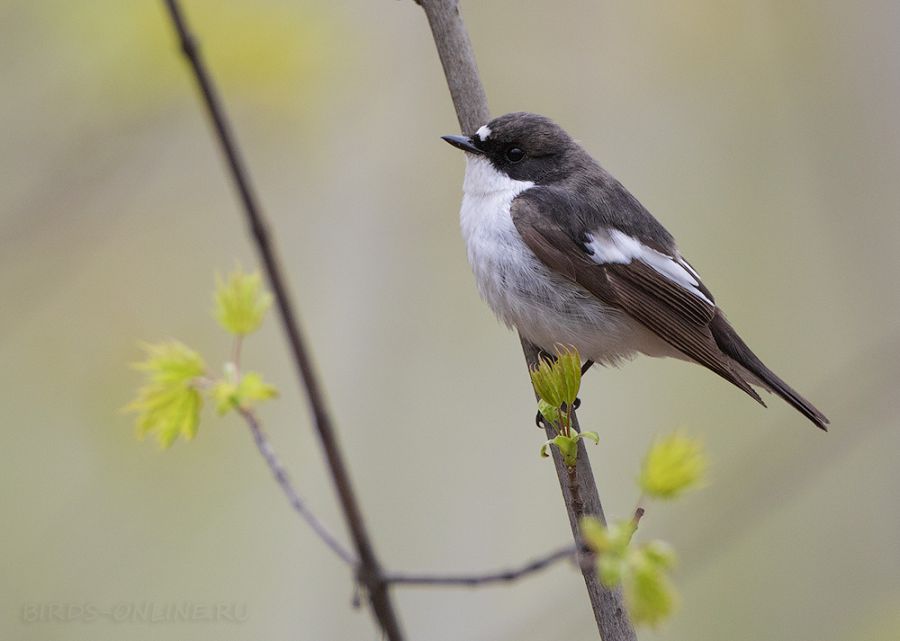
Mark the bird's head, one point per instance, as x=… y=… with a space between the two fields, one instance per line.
x=524 y=146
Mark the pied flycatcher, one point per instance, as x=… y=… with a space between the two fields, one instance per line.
x=564 y=253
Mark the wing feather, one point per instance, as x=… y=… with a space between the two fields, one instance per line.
x=665 y=307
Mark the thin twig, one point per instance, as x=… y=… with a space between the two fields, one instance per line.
x=236 y=350
x=265 y=448
x=369 y=571
x=474 y=580
x=470 y=102
x=397 y=578
x=638 y=515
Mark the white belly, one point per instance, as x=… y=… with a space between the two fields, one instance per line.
x=545 y=307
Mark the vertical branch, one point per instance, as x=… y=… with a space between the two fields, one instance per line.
x=458 y=60
x=580 y=492
x=369 y=572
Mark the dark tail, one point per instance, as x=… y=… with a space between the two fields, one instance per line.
x=730 y=343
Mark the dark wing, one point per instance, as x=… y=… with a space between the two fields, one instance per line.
x=677 y=312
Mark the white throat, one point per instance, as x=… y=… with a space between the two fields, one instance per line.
x=493 y=243
x=492 y=240
x=483 y=179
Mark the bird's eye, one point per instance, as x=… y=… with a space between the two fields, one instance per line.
x=514 y=154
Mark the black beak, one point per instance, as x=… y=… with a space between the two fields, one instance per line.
x=462 y=142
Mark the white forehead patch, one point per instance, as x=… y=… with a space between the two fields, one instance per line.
x=483 y=132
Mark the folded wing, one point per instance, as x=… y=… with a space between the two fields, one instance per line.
x=653 y=286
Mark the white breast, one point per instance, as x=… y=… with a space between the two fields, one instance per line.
x=544 y=306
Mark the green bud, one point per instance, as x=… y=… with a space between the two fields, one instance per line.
x=568 y=447
x=610 y=569
x=247 y=392
x=547 y=384
x=594 y=534
x=241 y=302
x=659 y=554
x=674 y=464
x=558 y=383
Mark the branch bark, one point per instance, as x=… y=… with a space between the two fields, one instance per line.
x=369 y=572
x=581 y=496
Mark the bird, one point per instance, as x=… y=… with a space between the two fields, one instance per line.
x=565 y=254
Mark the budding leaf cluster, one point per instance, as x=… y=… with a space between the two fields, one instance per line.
x=674 y=464
x=642 y=570
x=241 y=302
x=242 y=393
x=556 y=384
x=168 y=404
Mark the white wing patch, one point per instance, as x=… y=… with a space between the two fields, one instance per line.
x=483 y=132
x=614 y=246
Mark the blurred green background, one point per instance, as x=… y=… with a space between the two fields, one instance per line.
x=763 y=134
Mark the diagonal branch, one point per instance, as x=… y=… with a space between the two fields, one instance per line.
x=369 y=571
x=281 y=477
x=477 y=580
x=397 y=578
x=580 y=491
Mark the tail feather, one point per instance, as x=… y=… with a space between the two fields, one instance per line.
x=732 y=345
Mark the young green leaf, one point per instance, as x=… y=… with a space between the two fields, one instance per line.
x=241 y=302
x=224 y=393
x=611 y=569
x=549 y=412
x=594 y=533
x=547 y=384
x=250 y=390
x=568 y=446
x=168 y=404
x=674 y=464
x=610 y=544
x=649 y=593
x=602 y=539
x=568 y=369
